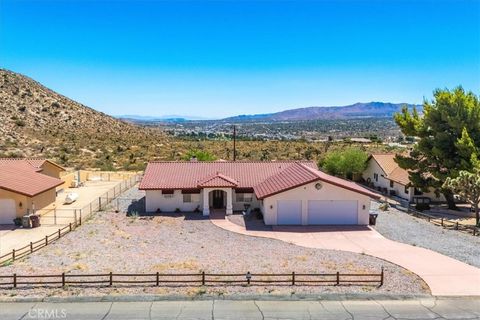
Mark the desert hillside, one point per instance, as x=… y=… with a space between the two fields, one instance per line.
x=38 y=122
x=35 y=121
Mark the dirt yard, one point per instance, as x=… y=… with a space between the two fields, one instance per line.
x=190 y=243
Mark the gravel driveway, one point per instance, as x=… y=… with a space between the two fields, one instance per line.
x=190 y=243
x=400 y=226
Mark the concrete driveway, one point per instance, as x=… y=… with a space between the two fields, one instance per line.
x=445 y=276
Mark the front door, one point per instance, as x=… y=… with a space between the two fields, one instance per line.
x=217 y=199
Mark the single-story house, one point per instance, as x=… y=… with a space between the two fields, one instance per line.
x=25 y=186
x=286 y=192
x=384 y=174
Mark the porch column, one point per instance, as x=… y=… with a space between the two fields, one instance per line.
x=206 y=204
x=229 y=209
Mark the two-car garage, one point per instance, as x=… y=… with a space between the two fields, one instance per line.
x=318 y=212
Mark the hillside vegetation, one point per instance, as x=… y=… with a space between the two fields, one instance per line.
x=38 y=122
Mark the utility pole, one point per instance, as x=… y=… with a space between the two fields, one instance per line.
x=234 y=143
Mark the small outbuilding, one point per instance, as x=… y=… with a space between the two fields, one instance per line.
x=26 y=186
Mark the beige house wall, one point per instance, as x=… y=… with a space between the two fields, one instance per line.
x=51 y=170
x=41 y=200
x=20 y=201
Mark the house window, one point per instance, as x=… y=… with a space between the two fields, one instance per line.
x=187 y=198
x=375 y=176
x=244 y=197
x=168 y=195
x=406 y=189
x=391 y=184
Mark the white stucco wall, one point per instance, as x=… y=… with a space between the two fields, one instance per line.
x=309 y=192
x=240 y=206
x=154 y=199
x=373 y=167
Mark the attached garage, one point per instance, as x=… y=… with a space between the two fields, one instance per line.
x=289 y=212
x=332 y=212
x=301 y=195
x=7 y=211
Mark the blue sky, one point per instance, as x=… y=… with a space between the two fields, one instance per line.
x=220 y=58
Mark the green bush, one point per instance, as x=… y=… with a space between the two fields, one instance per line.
x=345 y=163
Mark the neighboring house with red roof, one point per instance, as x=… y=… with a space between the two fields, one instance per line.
x=384 y=174
x=26 y=185
x=286 y=192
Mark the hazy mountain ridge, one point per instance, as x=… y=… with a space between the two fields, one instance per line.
x=357 y=110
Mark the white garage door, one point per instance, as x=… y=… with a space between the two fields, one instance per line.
x=289 y=212
x=332 y=212
x=7 y=211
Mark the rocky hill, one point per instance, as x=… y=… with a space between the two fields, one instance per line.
x=354 y=111
x=36 y=121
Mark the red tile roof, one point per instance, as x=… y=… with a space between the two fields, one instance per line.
x=187 y=175
x=297 y=175
x=293 y=176
x=20 y=177
x=34 y=162
x=217 y=181
x=267 y=178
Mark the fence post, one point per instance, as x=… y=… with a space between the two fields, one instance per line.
x=80 y=220
x=158 y=279
x=293 y=278
x=63 y=279
x=13 y=254
x=203 y=278
x=14 y=280
x=249 y=277
x=46 y=240
x=338 y=278
x=381 y=278
x=442 y=222
x=111 y=278
x=75 y=217
x=456 y=226
x=59 y=233
x=70 y=226
x=31 y=247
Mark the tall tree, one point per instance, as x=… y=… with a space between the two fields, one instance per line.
x=448 y=136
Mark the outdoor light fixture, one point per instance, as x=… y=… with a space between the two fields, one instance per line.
x=318 y=186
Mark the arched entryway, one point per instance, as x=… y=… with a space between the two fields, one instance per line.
x=218 y=199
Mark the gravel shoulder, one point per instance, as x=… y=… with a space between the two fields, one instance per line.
x=190 y=243
x=402 y=227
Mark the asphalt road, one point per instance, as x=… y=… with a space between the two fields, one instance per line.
x=234 y=309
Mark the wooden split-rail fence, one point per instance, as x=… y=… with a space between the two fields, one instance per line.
x=192 y=279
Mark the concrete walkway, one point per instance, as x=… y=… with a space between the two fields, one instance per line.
x=246 y=309
x=445 y=276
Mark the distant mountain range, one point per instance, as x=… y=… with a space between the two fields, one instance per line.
x=357 y=110
x=170 y=118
